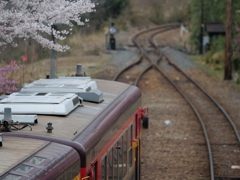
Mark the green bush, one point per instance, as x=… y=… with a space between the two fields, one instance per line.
x=216 y=53
x=217 y=44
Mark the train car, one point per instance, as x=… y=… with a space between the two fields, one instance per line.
x=50 y=132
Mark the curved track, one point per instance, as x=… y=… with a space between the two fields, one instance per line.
x=213 y=118
x=143 y=54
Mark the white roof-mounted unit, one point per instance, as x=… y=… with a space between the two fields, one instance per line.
x=84 y=87
x=23 y=119
x=40 y=103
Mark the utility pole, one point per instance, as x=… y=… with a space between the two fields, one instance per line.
x=201 y=29
x=228 y=48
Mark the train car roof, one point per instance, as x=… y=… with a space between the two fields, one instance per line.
x=68 y=127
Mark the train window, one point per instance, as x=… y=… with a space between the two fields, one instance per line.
x=110 y=164
x=24 y=168
x=115 y=161
x=130 y=147
x=137 y=125
x=104 y=168
x=70 y=173
x=120 y=157
x=130 y=158
x=130 y=135
x=95 y=170
x=36 y=160
x=125 y=143
x=12 y=177
x=134 y=129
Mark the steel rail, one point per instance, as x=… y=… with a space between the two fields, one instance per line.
x=199 y=118
x=153 y=64
x=151 y=41
x=167 y=28
x=202 y=89
x=142 y=73
x=128 y=67
x=210 y=156
x=134 y=40
x=230 y=121
x=210 y=97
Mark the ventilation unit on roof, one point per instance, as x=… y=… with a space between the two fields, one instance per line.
x=84 y=87
x=23 y=119
x=40 y=103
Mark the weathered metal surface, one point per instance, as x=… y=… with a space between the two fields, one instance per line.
x=15 y=150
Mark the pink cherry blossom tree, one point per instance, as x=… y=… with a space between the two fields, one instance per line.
x=34 y=18
x=7 y=84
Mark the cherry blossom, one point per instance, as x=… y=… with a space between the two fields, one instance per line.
x=7 y=85
x=36 y=18
x=25 y=58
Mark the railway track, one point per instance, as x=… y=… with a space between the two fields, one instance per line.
x=221 y=135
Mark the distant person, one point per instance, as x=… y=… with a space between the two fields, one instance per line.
x=112 y=31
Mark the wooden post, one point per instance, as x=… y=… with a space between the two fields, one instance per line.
x=228 y=47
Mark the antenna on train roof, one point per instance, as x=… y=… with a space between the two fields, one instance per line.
x=79 y=71
x=7 y=121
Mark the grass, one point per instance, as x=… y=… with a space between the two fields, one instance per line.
x=213 y=70
x=91 y=64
